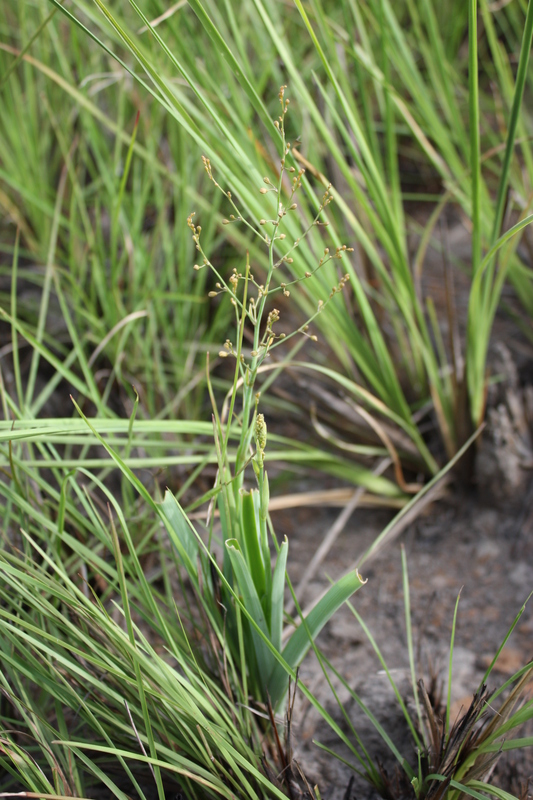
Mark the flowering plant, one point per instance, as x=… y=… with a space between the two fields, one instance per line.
x=249 y=589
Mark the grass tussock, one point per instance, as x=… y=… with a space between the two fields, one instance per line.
x=148 y=649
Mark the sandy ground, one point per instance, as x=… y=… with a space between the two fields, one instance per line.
x=461 y=544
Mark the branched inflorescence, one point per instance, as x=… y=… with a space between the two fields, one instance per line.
x=250 y=300
x=253 y=583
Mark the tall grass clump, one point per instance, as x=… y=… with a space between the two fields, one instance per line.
x=368 y=79
x=94 y=178
x=104 y=690
x=139 y=648
x=103 y=663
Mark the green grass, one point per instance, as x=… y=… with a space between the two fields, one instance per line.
x=96 y=197
x=119 y=666
x=96 y=688
x=388 y=340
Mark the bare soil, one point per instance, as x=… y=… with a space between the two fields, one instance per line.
x=462 y=544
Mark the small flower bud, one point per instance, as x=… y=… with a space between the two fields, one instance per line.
x=223 y=354
x=263 y=190
x=212 y=294
x=225 y=221
x=294 y=205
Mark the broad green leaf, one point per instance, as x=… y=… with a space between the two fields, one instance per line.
x=300 y=641
x=252 y=549
x=277 y=595
x=245 y=587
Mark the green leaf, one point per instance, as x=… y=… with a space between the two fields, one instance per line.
x=252 y=549
x=495 y=791
x=277 y=595
x=246 y=588
x=181 y=533
x=482 y=305
x=300 y=641
x=222 y=46
x=462 y=787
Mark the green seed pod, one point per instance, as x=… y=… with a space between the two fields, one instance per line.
x=260 y=433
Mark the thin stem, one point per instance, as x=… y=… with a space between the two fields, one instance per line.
x=473 y=80
x=513 y=122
